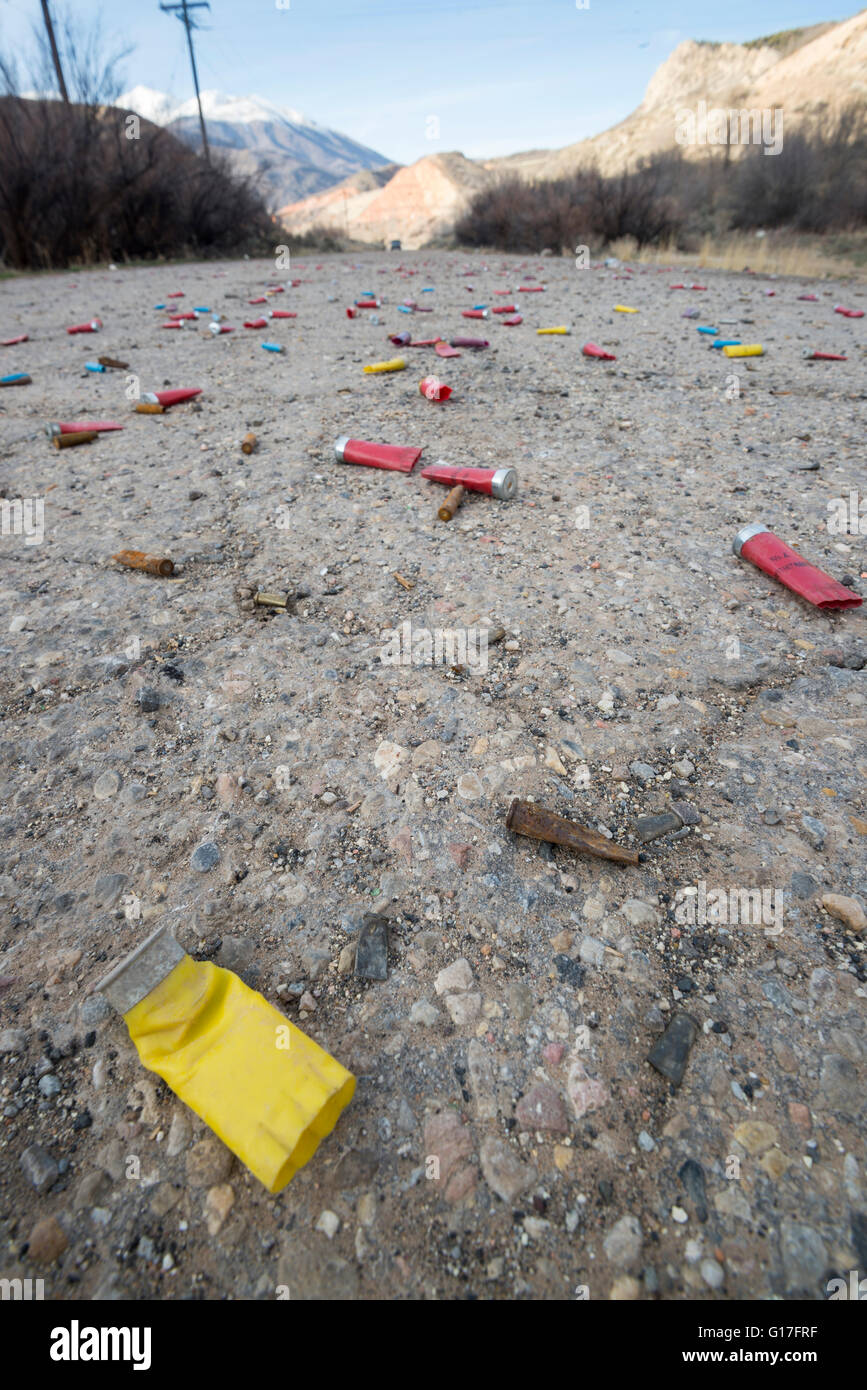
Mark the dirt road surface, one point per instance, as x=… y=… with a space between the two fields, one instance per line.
x=508 y=1137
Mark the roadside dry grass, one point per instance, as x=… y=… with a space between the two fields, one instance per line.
x=841 y=255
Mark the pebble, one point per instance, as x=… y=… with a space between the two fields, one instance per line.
x=712 y=1274
x=645 y=1142
x=12 y=1040
x=39 y=1167
x=47 y=1241
x=805 y=1258
x=670 y=1053
x=755 y=1136
x=504 y=1173
x=542 y=1109
x=814 y=831
x=470 y=787
x=679 y=1215
x=328 y=1223
x=49 y=1086
x=683 y=769
x=107 y=785
x=643 y=773
x=649 y=828
x=840 y=1087
x=148 y=699
x=218 y=1203
x=847 y=910
x=463 y=1008
x=206 y=856
x=454 y=977
x=624 y=1242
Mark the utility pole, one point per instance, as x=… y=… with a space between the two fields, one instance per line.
x=52 y=42
x=183 y=12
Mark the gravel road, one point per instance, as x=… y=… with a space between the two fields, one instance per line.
x=509 y=1137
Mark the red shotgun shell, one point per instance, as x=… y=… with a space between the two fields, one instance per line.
x=765 y=550
x=93 y=327
x=390 y=456
x=434 y=389
x=77 y=426
x=501 y=483
x=172 y=397
x=256 y=323
x=592 y=350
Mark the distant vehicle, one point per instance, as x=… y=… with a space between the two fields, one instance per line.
x=394 y=246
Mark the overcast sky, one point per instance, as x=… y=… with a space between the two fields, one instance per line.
x=496 y=76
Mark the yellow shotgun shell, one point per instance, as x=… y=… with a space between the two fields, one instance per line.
x=266 y=1089
x=562 y=329
x=396 y=364
x=624 y=309
x=745 y=350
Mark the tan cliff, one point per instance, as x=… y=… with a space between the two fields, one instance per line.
x=810 y=74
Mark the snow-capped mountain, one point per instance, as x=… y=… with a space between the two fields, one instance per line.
x=290 y=155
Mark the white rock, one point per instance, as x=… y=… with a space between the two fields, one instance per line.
x=389 y=758
x=328 y=1224
x=455 y=977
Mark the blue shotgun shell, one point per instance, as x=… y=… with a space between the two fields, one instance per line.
x=273 y=347
x=15 y=376
x=714 y=331
x=94 y=367
x=726 y=342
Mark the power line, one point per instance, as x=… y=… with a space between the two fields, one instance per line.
x=183 y=13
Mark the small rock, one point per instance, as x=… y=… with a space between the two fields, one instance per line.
x=814 y=831
x=12 y=1040
x=839 y=1082
x=328 y=1223
x=39 y=1167
x=805 y=1258
x=108 y=785
x=649 y=828
x=683 y=769
x=218 y=1203
x=454 y=977
x=847 y=910
x=463 y=1008
x=670 y=1053
x=542 y=1109
x=470 y=787
x=643 y=773
x=623 y=1243
x=208 y=1163
x=49 y=1086
x=47 y=1241
x=206 y=856
x=504 y=1173
x=712 y=1274
x=424 y=1013
x=108 y=888
x=148 y=699
x=755 y=1136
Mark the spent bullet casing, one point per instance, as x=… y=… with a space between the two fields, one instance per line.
x=452 y=502
x=159 y=565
